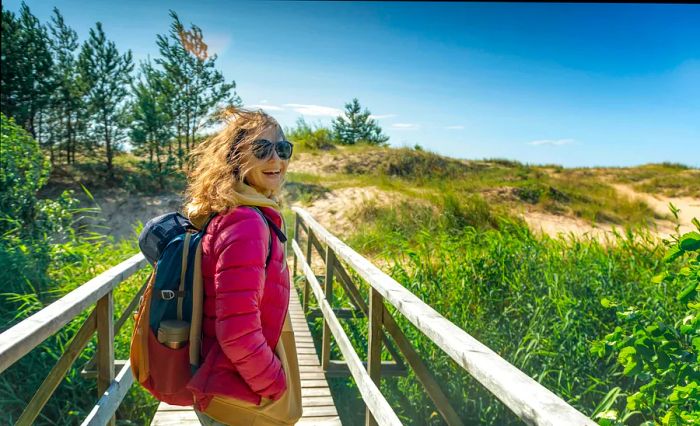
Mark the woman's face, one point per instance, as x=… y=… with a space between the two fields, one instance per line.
x=266 y=175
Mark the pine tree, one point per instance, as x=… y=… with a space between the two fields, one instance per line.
x=105 y=75
x=66 y=103
x=26 y=80
x=355 y=126
x=152 y=122
x=199 y=89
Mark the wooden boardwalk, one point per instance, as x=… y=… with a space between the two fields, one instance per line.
x=319 y=408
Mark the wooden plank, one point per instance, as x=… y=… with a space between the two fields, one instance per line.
x=315 y=392
x=529 y=400
x=128 y=312
x=310 y=383
x=374 y=346
x=348 y=313
x=28 y=334
x=103 y=412
x=315 y=401
x=59 y=370
x=356 y=298
x=339 y=368
x=442 y=403
x=176 y=418
x=312 y=376
x=105 y=345
x=328 y=295
x=374 y=399
x=320 y=421
x=320 y=411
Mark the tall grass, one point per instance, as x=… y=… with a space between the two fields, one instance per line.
x=63 y=267
x=536 y=301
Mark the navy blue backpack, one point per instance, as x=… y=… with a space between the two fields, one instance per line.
x=166 y=340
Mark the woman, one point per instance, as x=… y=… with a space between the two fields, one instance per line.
x=246 y=293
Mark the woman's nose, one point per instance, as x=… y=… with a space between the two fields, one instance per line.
x=274 y=156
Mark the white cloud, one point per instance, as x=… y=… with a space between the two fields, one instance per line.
x=556 y=142
x=267 y=107
x=315 y=110
x=380 y=116
x=460 y=127
x=263 y=101
x=405 y=126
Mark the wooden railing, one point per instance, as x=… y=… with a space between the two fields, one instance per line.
x=31 y=332
x=526 y=398
x=529 y=400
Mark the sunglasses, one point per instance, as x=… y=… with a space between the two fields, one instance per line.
x=262 y=149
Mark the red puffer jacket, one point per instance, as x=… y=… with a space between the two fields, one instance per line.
x=245 y=305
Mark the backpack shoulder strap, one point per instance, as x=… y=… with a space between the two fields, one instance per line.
x=269 y=243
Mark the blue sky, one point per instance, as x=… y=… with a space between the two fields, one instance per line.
x=572 y=84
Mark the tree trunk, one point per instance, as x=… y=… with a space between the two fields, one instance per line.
x=160 y=165
x=108 y=146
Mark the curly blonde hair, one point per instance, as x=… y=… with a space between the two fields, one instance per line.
x=220 y=160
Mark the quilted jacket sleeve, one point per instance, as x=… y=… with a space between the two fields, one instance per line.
x=241 y=248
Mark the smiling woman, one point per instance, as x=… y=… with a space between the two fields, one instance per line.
x=250 y=371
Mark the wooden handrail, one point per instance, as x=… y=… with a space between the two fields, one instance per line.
x=525 y=397
x=371 y=394
x=31 y=332
x=17 y=341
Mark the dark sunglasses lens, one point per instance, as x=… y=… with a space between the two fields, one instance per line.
x=284 y=149
x=262 y=148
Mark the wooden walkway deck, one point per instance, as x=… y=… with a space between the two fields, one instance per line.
x=319 y=408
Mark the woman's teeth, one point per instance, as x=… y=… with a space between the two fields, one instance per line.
x=276 y=172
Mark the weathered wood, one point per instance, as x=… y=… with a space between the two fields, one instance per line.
x=296 y=238
x=89 y=371
x=28 y=334
x=339 y=312
x=442 y=403
x=105 y=344
x=530 y=401
x=103 y=412
x=58 y=372
x=356 y=298
x=328 y=294
x=317 y=401
x=129 y=311
x=374 y=399
x=339 y=368
x=374 y=345
x=305 y=299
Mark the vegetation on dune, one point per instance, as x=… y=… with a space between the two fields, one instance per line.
x=545 y=305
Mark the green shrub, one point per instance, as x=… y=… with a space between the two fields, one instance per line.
x=660 y=355
x=23 y=170
x=307 y=138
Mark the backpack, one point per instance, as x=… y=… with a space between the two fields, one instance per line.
x=165 y=343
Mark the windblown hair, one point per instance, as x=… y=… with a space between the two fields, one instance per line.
x=221 y=160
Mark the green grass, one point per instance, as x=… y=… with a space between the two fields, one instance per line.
x=536 y=301
x=71 y=264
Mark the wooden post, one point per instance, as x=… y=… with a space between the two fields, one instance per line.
x=105 y=344
x=58 y=372
x=328 y=290
x=296 y=238
x=374 y=344
x=305 y=301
